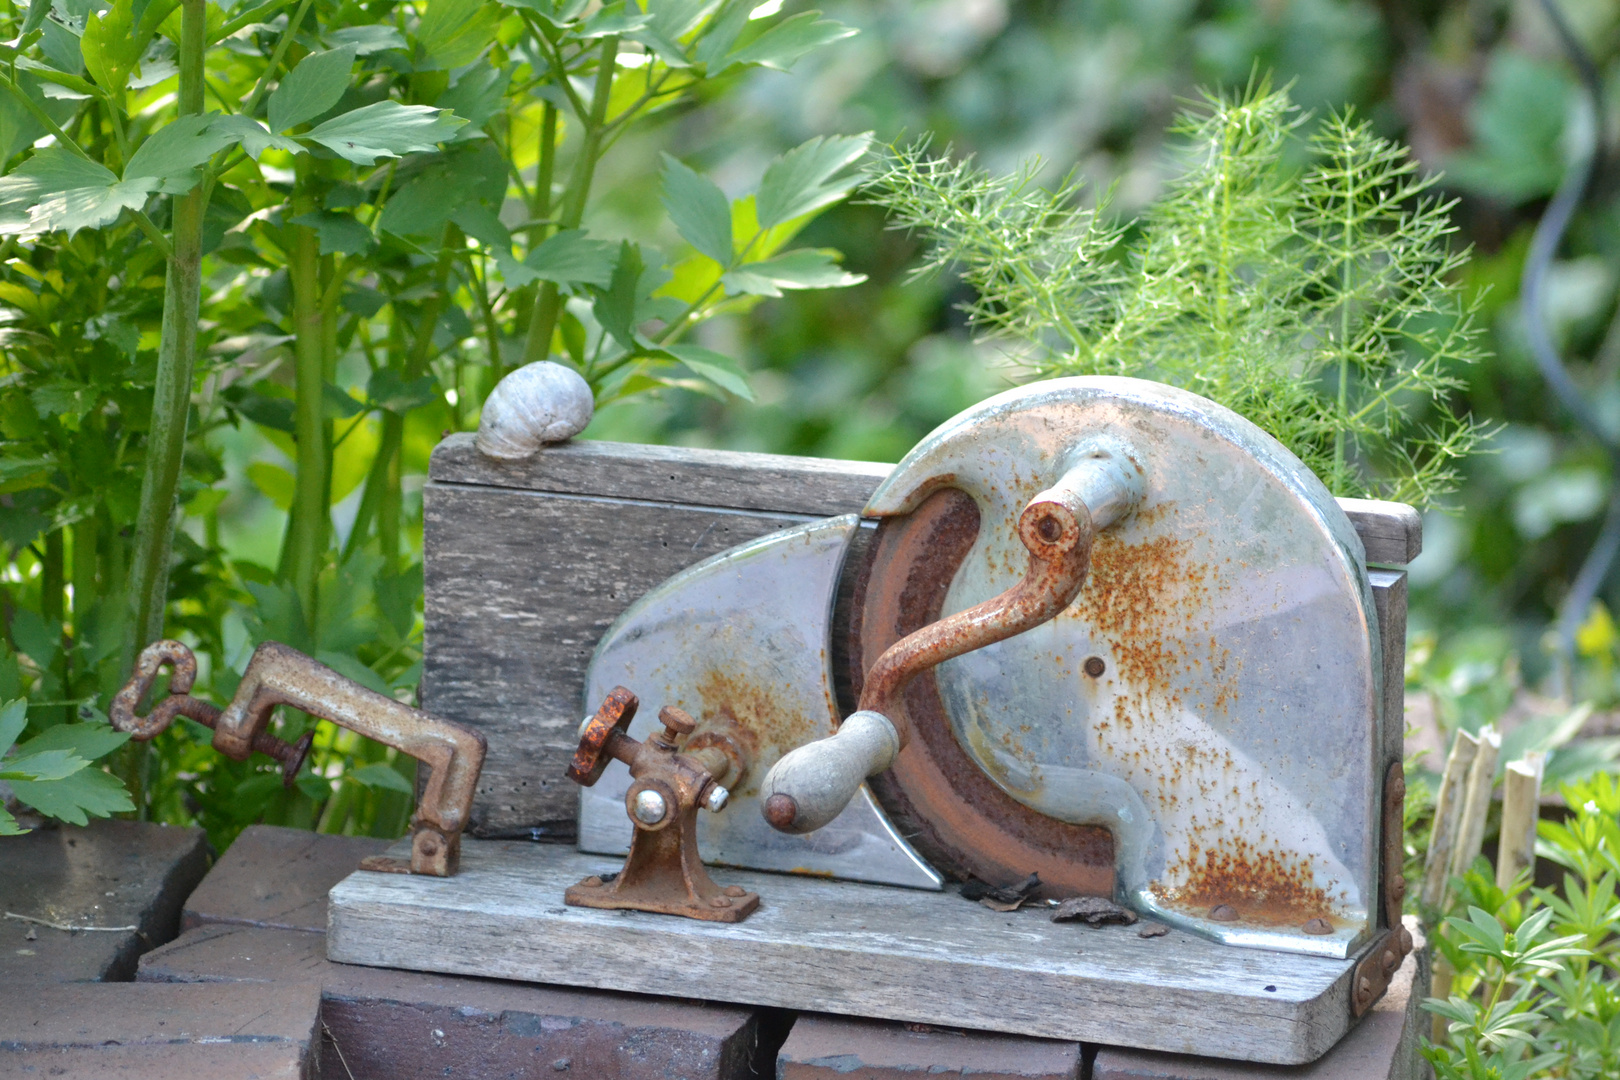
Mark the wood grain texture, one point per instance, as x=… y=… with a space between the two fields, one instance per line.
x=819 y=487
x=519 y=588
x=527 y=563
x=851 y=949
x=1391 y=532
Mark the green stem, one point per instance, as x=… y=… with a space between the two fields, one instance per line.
x=548 y=302
x=306 y=524
x=171 y=396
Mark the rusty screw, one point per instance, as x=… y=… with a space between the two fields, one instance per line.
x=1318 y=926
x=1223 y=913
x=677 y=722
x=735 y=891
x=1094 y=666
x=720 y=902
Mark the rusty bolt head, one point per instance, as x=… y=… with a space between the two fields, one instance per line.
x=781 y=811
x=1095 y=666
x=1397 y=886
x=676 y=721
x=1223 y=913
x=428 y=844
x=649 y=807
x=1391 y=960
x=592 y=882
x=720 y=901
x=1318 y=926
x=1406 y=941
x=1364 y=988
x=716 y=800
x=735 y=891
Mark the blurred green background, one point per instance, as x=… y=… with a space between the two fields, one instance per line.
x=1482 y=89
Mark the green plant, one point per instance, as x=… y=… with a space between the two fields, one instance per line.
x=1536 y=990
x=264 y=257
x=52 y=774
x=1321 y=302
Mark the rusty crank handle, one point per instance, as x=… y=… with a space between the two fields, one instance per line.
x=278 y=675
x=811 y=784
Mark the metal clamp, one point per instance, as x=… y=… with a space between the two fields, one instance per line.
x=663 y=872
x=278 y=675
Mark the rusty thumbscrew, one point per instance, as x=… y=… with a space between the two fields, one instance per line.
x=180 y=703
x=603 y=737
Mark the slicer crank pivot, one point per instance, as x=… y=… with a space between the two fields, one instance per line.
x=278 y=675
x=663 y=872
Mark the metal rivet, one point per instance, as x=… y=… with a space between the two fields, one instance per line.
x=1318 y=926
x=720 y=901
x=1397 y=887
x=1095 y=666
x=1223 y=913
x=592 y=882
x=736 y=890
x=650 y=807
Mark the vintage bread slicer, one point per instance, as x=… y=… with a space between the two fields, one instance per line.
x=1097 y=630
x=1105 y=631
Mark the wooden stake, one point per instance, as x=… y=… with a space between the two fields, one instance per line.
x=1448 y=806
x=1440 y=987
x=1477 y=804
x=1521 y=809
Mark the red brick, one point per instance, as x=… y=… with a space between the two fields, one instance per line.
x=159 y=1031
x=108 y=873
x=837 y=1048
x=403 y=1025
x=276 y=877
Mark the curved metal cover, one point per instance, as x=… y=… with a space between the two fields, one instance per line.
x=1231 y=741
x=740 y=641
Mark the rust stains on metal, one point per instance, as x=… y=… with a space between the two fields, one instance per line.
x=1264 y=885
x=278 y=675
x=663 y=872
x=935 y=794
x=754 y=717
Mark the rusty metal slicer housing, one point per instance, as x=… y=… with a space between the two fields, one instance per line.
x=1097 y=629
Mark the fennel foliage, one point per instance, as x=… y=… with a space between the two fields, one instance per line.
x=1321 y=302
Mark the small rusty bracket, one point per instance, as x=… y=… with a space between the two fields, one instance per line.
x=663 y=872
x=1389 y=950
x=278 y=675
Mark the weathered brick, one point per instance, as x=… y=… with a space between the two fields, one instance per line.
x=405 y=1025
x=276 y=877
x=157 y=1031
x=1382 y=1047
x=109 y=873
x=838 y=1048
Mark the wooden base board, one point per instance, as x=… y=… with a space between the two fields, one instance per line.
x=851 y=949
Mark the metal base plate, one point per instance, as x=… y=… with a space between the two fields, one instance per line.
x=594 y=893
x=851 y=949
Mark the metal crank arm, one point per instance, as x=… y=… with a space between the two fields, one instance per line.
x=810 y=785
x=278 y=675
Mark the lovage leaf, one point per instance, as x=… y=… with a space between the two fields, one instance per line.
x=381 y=777
x=809 y=177
x=454 y=33
x=87 y=740
x=312 y=87
x=173 y=152
x=45 y=765
x=715 y=367
x=13 y=718
x=572 y=256
x=788 y=40
x=385 y=129
x=698 y=209
x=804 y=268
x=111 y=45
x=88 y=791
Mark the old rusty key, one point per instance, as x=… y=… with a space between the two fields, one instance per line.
x=663 y=872
x=278 y=675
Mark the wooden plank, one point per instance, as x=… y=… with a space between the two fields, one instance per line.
x=819 y=487
x=1389 y=597
x=852 y=949
x=1391 y=532
x=520 y=586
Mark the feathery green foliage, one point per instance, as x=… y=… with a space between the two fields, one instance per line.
x=1321 y=303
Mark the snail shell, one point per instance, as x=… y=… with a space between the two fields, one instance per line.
x=537 y=404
